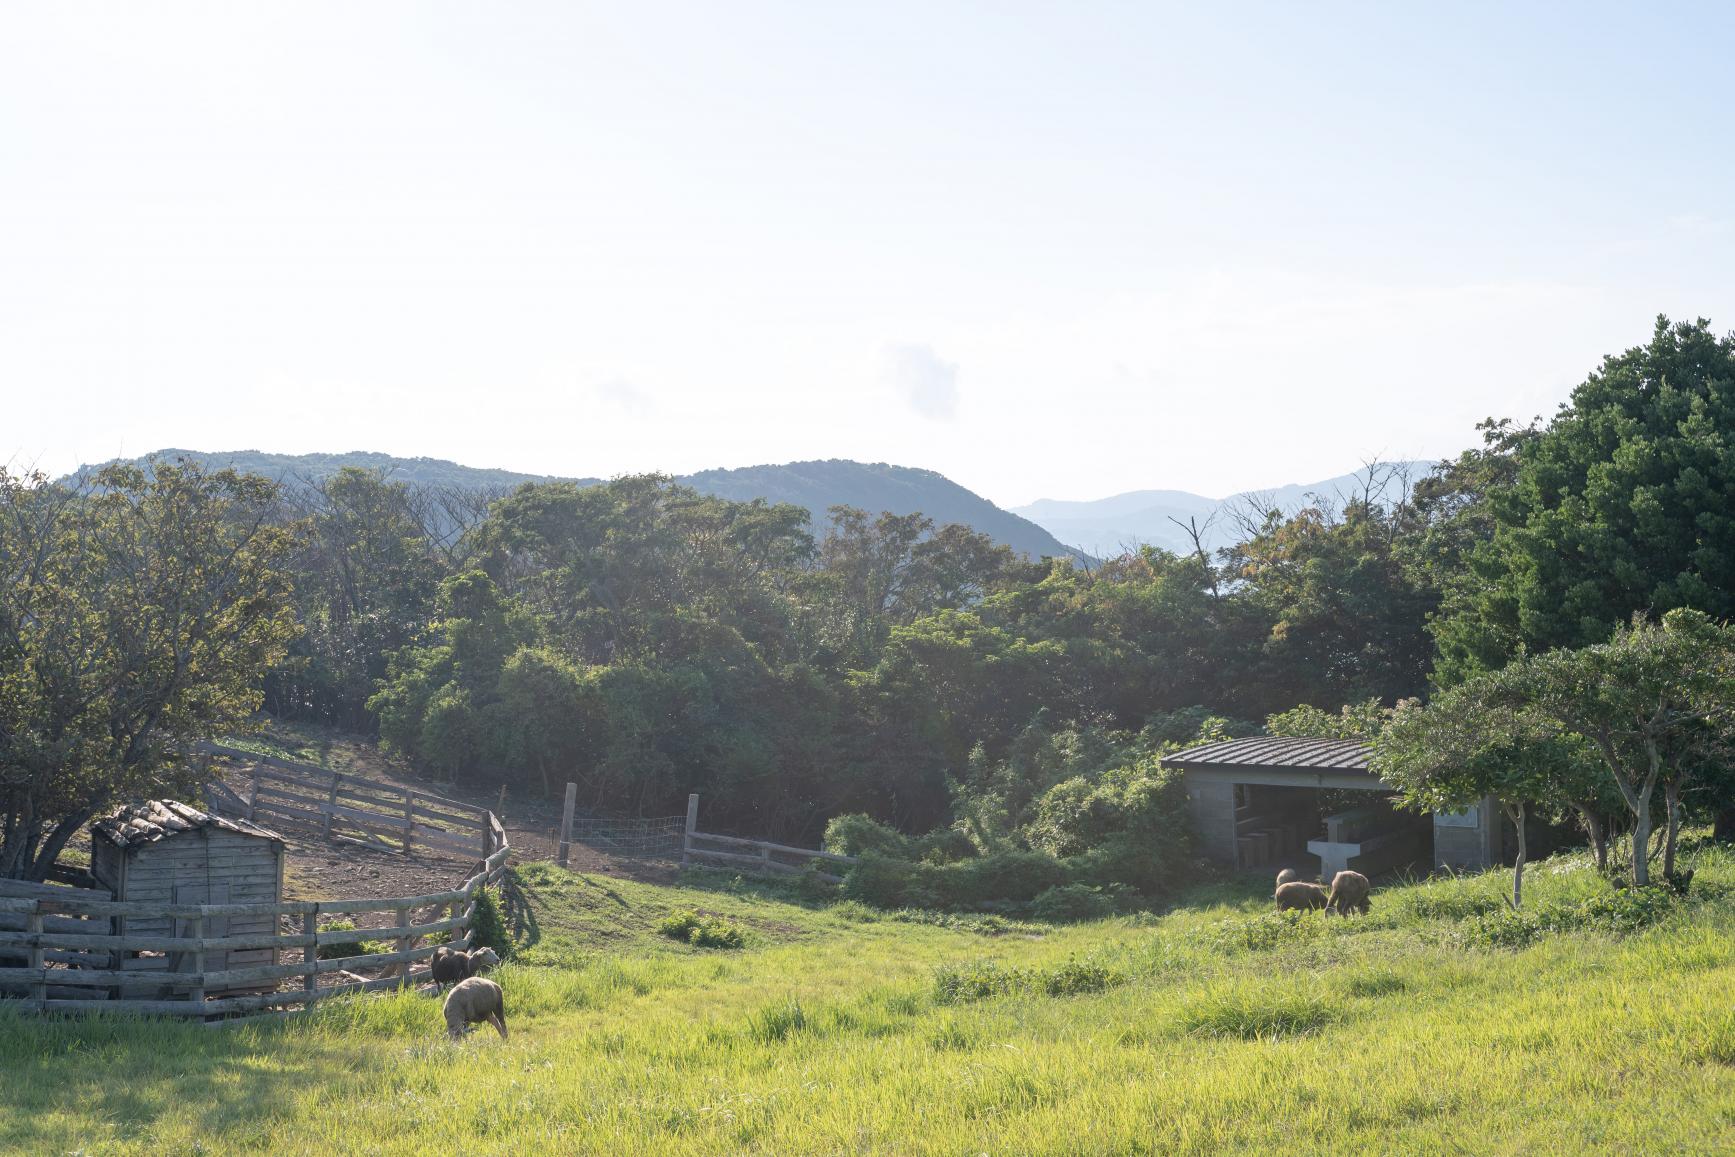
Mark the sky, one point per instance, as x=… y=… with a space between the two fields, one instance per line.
x=1053 y=250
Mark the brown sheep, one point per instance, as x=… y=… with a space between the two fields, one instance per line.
x=1299 y=895
x=1287 y=876
x=473 y=1001
x=1349 y=890
x=452 y=965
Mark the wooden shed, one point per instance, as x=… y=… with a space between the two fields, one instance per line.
x=166 y=852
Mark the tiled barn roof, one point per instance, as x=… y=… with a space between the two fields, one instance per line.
x=148 y=822
x=1277 y=751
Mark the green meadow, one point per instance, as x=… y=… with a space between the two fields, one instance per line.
x=1438 y=1024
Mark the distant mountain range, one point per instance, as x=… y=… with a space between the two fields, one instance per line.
x=818 y=486
x=1106 y=526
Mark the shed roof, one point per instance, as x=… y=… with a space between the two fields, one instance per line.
x=1277 y=751
x=153 y=820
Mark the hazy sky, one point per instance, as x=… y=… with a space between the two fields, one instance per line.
x=1057 y=250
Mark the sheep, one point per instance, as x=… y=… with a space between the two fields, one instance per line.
x=452 y=965
x=1349 y=890
x=1299 y=895
x=472 y=1001
x=1287 y=876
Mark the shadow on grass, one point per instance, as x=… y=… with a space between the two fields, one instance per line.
x=518 y=911
x=785 y=890
x=132 y=1075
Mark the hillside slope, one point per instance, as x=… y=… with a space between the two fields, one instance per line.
x=817 y=485
x=837 y=1029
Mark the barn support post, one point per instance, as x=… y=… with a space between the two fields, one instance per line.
x=692 y=826
x=566 y=823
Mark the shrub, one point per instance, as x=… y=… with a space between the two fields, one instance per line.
x=1079 y=976
x=1617 y=911
x=1266 y=931
x=887 y=883
x=981 y=979
x=1018 y=877
x=1071 y=902
x=857 y=834
x=701 y=931
x=976 y=980
x=1256 y=1014
x=488 y=925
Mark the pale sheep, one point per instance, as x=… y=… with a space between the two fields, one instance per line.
x=473 y=1001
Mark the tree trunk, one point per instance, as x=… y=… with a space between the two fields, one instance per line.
x=1516 y=813
x=53 y=845
x=1593 y=829
x=1641 y=841
x=1672 y=800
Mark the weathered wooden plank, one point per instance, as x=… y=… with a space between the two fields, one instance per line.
x=392 y=905
x=21 y=889
x=810 y=853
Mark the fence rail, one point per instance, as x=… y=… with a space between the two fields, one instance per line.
x=758 y=855
x=347 y=807
x=42 y=926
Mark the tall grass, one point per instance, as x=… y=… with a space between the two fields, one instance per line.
x=832 y=1034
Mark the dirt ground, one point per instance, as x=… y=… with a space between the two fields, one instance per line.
x=317 y=869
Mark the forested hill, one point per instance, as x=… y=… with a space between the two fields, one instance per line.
x=875 y=487
x=1107 y=526
x=818 y=486
x=436 y=472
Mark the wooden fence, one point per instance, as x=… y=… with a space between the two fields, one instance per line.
x=752 y=855
x=59 y=951
x=282 y=793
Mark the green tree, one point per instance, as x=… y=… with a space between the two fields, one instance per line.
x=1653 y=704
x=136 y=619
x=1470 y=743
x=1625 y=503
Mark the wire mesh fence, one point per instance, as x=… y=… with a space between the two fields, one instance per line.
x=654 y=838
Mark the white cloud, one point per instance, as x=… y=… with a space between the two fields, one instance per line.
x=625 y=397
x=928 y=383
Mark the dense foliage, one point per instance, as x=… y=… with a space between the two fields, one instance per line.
x=134 y=622
x=646 y=640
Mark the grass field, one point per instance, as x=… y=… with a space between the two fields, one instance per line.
x=1220 y=1027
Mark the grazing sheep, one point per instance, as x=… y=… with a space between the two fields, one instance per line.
x=452 y=965
x=1287 y=876
x=1299 y=895
x=1349 y=890
x=472 y=1001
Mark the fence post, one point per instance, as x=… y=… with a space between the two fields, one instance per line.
x=253 y=794
x=197 y=995
x=409 y=821
x=404 y=944
x=33 y=925
x=331 y=799
x=566 y=823
x=310 y=952
x=692 y=826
